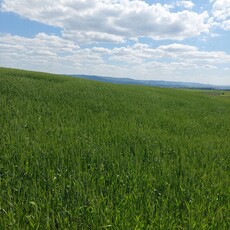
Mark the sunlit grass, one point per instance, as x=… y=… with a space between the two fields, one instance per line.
x=82 y=154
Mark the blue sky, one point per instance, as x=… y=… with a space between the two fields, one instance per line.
x=159 y=40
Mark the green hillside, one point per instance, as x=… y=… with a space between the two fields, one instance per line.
x=79 y=154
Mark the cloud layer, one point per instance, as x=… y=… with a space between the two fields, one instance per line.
x=113 y=20
x=55 y=54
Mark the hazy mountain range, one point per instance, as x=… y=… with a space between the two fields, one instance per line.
x=166 y=84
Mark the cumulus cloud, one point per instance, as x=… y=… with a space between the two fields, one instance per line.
x=185 y=4
x=174 y=53
x=42 y=51
x=54 y=54
x=112 y=20
x=221 y=13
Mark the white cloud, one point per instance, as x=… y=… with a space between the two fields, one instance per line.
x=221 y=13
x=42 y=51
x=112 y=20
x=172 y=62
x=185 y=4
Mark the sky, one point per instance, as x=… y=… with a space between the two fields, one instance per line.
x=149 y=40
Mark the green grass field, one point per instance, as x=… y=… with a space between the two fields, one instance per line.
x=79 y=154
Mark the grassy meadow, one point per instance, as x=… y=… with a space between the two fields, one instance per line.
x=79 y=154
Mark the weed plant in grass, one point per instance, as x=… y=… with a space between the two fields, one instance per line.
x=79 y=154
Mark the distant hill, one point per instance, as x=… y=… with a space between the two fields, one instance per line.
x=164 y=84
